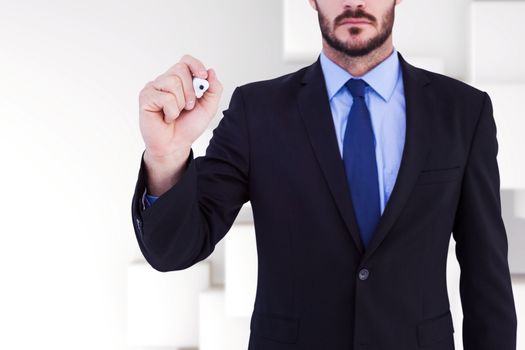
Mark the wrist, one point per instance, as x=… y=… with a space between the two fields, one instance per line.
x=162 y=172
x=167 y=160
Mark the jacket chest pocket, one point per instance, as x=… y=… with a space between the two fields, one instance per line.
x=431 y=176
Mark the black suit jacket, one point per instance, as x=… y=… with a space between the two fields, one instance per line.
x=317 y=287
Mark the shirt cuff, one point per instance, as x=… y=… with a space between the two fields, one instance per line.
x=144 y=201
x=147 y=200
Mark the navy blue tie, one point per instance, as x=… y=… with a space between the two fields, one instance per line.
x=360 y=162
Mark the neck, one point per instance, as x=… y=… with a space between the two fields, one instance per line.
x=358 y=66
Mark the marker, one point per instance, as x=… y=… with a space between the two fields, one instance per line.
x=200 y=86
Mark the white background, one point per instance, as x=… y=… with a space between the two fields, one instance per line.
x=70 y=74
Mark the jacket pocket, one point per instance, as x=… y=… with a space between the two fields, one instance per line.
x=439 y=175
x=275 y=327
x=433 y=330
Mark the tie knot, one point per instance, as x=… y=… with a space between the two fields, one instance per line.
x=356 y=87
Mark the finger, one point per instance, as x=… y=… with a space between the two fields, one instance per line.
x=156 y=101
x=171 y=84
x=197 y=68
x=171 y=111
x=187 y=85
x=182 y=70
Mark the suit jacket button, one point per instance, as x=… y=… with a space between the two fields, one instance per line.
x=363 y=274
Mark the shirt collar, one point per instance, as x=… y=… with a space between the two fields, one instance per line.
x=382 y=78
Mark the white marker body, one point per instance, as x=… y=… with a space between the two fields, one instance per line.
x=200 y=86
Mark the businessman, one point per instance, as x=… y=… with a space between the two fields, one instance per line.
x=359 y=168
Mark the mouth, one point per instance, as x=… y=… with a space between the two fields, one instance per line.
x=354 y=21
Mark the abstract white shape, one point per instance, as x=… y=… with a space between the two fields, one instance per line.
x=217 y=331
x=163 y=307
x=497 y=49
x=240 y=270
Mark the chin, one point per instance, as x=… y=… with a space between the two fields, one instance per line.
x=361 y=37
x=355 y=41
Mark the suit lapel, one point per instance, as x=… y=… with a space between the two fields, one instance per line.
x=316 y=114
x=419 y=116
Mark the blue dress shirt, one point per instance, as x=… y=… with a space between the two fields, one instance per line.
x=385 y=100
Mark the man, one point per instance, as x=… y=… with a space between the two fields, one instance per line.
x=358 y=168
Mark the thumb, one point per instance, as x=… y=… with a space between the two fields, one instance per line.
x=215 y=85
x=210 y=99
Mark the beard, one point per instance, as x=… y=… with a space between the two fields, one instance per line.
x=358 y=49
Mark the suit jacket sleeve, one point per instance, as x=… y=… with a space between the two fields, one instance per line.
x=184 y=224
x=489 y=314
